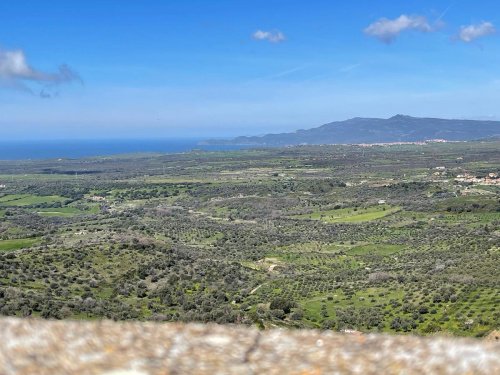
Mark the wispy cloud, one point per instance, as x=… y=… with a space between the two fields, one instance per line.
x=17 y=73
x=387 y=30
x=286 y=72
x=444 y=13
x=348 y=68
x=470 y=33
x=280 y=74
x=270 y=36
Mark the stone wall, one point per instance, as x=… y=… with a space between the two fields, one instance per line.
x=29 y=346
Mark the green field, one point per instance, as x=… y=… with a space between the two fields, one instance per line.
x=6 y=245
x=21 y=200
x=378 y=249
x=65 y=211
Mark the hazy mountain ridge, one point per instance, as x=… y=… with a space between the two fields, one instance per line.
x=399 y=128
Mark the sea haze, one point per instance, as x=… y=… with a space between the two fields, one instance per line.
x=49 y=149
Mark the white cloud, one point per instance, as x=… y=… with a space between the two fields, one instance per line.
x=270 y=36
x=387 y=30
x=471 y=32
x=16 y=73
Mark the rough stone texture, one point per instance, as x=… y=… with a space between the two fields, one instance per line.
x=493 y=336
x=46 y=347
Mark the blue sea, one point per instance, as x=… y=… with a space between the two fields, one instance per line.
x=44 y=149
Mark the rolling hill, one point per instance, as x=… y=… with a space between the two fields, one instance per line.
x=399 y=128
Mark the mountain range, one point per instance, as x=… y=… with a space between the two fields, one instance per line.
x=399 y=128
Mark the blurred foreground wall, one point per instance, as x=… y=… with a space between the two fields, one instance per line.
x=29 y=346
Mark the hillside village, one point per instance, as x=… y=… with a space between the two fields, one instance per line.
x=490 y=179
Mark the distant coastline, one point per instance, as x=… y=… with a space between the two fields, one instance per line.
x=54 y=149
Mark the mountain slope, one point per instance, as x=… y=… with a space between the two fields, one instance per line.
x=399 y=128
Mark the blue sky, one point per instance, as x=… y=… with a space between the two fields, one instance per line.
x=204 y=68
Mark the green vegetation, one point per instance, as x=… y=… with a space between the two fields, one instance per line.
x=63 y=211
x=377 y=249
x=350 y=215
x=28 y=200
x=329 y=237
x=6 y=245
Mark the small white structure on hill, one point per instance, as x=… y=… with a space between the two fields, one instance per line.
x=97 y=198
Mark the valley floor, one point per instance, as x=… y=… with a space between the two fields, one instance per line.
x=382 y=238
